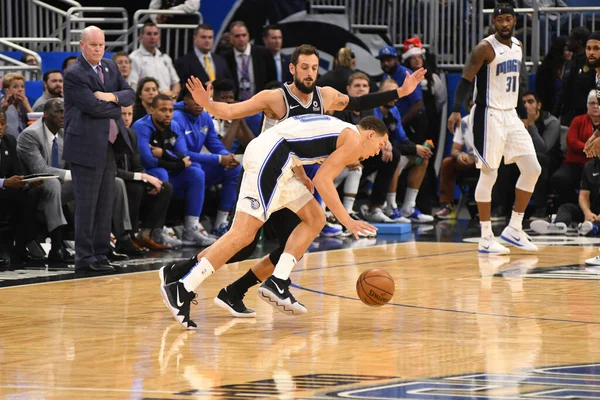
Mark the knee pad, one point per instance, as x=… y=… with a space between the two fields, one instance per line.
x=483 y=191
x=530 y=171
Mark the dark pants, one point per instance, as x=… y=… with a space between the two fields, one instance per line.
x=94 y=189
x=565 y=182
x=17 y=218
x=156 y=205
x=385 y=173
x=549 y=167
x=569 y=213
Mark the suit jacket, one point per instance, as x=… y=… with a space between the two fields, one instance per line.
x=35 y=152
x=9 y=162
x=87 y=119
x=188 y=65
x=286 y=75
x=262 y=63
x=128 y=164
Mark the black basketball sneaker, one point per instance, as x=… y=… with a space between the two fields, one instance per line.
x=233 y=303
x=276 y=292
x=178 y=301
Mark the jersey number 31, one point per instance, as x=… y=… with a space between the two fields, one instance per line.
x=511 y=84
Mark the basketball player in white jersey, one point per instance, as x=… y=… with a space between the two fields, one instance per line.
x=497 y=130
x=299 y=98
x=273 y=180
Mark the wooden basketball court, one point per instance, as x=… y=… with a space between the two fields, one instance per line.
x=459 y=326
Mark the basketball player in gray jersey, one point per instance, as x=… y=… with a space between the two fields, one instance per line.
x=299 y=98
x=497 y=131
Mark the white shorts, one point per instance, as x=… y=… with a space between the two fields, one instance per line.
x=268 y=182
x=497 y=133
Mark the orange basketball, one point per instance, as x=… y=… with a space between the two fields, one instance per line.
x=375 y=287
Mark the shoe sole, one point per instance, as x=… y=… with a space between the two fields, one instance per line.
x=516 y=244
x=174 y=311
x=220 y=303
x=493 y=253
x=269 y=297
x=189 y=243
x=331 y=234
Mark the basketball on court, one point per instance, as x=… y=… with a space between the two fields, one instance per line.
x=375 y=287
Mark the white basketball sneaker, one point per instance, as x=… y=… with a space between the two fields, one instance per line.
x=489 y=245
x=546 y=228
x=518 y=238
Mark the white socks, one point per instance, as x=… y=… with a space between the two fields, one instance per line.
x=190 y=222
x=284 y=266
x=349 y=203
x=221 y=218
x=486 y=229
x=197 y=275
x=516 y=220
x=391 y=200
x=410 y=199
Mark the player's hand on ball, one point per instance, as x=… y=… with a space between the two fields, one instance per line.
x=355 y=227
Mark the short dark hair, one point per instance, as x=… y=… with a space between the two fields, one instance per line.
x=531 y=93
x=270 y=27
x=237 y=23
x=51 y=71
x=304 y=49
x=205 y=27
x=2 y=113
x=140 y=87
x=146 y=25
x=51 y=104
x=579 y=34
x=273 y=85
x=160 y=97
x=66 y=61
x=223 y=85
x=371 y=122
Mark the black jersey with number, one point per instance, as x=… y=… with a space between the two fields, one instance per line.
x=295 y=107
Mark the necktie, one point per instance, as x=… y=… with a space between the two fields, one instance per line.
x=54 y=157
x=113 y=131
x=209 y=69
x=278 y=67
x=245 y=79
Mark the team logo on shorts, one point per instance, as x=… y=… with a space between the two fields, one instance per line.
x=254 y=204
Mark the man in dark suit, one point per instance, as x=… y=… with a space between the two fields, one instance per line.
x=252 y=66
x=17 y=204
x=273 y=40
x=202 y=63
x=94 y=91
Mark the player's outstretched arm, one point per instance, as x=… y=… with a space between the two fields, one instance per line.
x=259 y=102
x=337 y=101
x=347 y=153
x=482 y=54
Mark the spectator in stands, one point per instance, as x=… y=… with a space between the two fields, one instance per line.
x=144 y=188
x=384 y=163
x=344 y=65
x=53 y=88
x=146 y=91
x=219 y=167
x=187 y=6
x=254 y=64
x=30 y=59
x=202 y=63
x=40 y=148
x=148 y=60
x=566 y=180
x=460 y=162
x=232 y=133
x=15 y=104
x=17 y=213
x=67 y=63
x=586 y=211
x=161 y=143
x=411 y=152
x=549 y=76
x=273 y=41
x=124 y=63
x=224 y=44
x=411 y=107
x=580 y=80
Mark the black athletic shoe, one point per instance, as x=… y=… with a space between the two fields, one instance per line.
x=178 y=302
x=234 y=304
x=276 y=292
